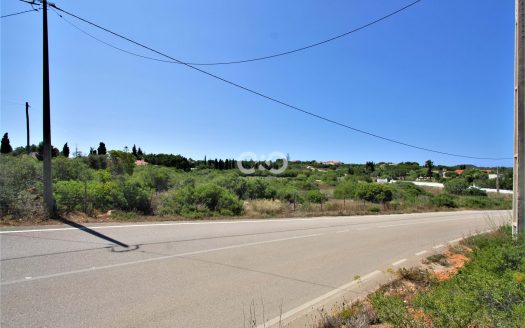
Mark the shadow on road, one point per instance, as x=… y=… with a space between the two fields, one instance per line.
x=92 y=232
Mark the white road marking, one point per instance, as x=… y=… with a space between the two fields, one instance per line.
x=160 y=258
x=421 y=253
x=426 y=222
x=441 y=214
x=313 y=302
x=399 y=262
x=455 y=240
x=341 y=231
x=438 y=246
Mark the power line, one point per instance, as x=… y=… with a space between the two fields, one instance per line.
x=241 y=61
x=287 y=105
x=22 y=12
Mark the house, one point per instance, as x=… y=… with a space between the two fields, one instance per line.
x=141 y=162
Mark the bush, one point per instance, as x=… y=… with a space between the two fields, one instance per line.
x=456 y=186
x=487 y=292
x=345 y=190
x=65 y=169
x=20 y=186
x=472 y=191
x=69 y=195
x=208 y=199
x=137 y=198
x=374 y=192
x=315 y=196
x=155 y=178
x=260 y=189
x=444 y=200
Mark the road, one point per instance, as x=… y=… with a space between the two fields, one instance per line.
x=208 y=274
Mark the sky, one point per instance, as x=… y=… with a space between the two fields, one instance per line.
x=438 y=75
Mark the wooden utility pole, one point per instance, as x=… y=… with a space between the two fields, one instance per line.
x=27 y=128
x=518 y=204
x=48 y=182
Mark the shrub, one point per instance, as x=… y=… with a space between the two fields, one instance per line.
x=20 y=186
x=69 y=195
x=345 y=190
x=486 y=292
x=208 y=199
x=136 y=196
x=155 y=178
x=65 y=169
x=444 y=200
x=259 y=188
x=374 y=192
x=472 y=191
x=315 y=196
x=456 y=186
x=289 y=194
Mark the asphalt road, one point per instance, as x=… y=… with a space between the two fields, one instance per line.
x=208 y=274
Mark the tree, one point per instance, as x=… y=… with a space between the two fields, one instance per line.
x=102 y=149
x=429 y=165
x=370 y=167
x=65 y=150
x=40 y=151
x=5 y=148
x=140 y=153
x=134 y=151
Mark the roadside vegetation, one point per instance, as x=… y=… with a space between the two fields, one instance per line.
x=132 y=185
x=478 y=283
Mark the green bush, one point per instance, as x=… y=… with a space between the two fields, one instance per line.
x=456 y=186
x=472 y=191
x=345 y=190
x=65 y=169
x=155 y=178
x=258 y=188
x=444 y=200
x=208 y=199
x=374 y=192
x=488 y=292
x=69 y=195
x=315 y=196
x=20 y=186
x=136 y=196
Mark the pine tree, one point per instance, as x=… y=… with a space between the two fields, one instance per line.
x=5 y=148
x=140 y=154
x=65 y=150
x=102 y=149
x=134 y=151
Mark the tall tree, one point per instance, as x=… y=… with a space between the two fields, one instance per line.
x=140 y=153
x=102 y=149
x=370 y=167
x=134 y=151
x=6 y=148
x=65 y=150
x=429 y=165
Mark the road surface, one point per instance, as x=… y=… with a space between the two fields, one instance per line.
x=208 y=274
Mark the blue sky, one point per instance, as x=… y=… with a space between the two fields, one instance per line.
x=439 y=75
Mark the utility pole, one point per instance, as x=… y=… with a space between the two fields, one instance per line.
x=27 y=128
x=48 y=183
x=518 y=204
x=497 y=179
